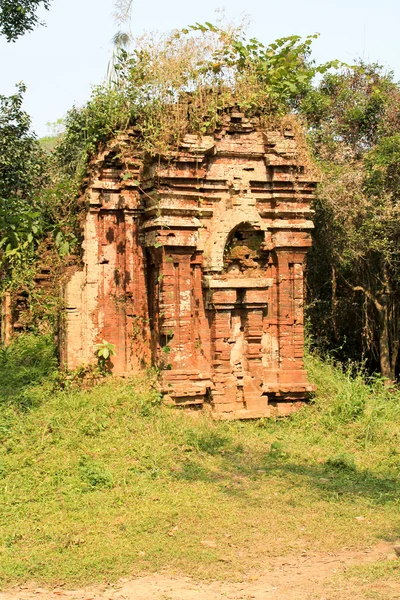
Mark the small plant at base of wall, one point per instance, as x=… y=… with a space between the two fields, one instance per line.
x=104 y=352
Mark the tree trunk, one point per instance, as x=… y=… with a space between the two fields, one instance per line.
x=384 y=344
x=387 y=354
x=334 y=305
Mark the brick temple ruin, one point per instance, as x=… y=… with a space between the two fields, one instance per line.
x=194 y=262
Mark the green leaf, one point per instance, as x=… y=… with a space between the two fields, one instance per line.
x=130 y=176
x=64 y=248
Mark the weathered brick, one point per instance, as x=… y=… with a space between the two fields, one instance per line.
x=199 y=270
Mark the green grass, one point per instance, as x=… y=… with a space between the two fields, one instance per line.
x=99 y=484
x=386 y=569
x=375 y=581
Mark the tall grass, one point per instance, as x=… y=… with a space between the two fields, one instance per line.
x=355 y=407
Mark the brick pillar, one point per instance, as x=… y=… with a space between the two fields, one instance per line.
x=112 y=314
x=176 y=307
x=136 y=308
x=290 y=320
x=182 y=327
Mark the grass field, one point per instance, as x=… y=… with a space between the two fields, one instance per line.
x=99 y=484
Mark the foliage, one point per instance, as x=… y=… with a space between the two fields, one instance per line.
x=39 y=226
x=110 y=489
x=354 y=120
x=86 y=128
x=181 y=82
x=22 y=175
x=350 y=111
x=19 y=16
x=104 y=352
x=24 y=364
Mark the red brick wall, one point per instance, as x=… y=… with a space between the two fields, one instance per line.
x=199 y=270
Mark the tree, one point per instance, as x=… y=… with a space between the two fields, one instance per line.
x=22 y=175
x=19 y=16
x=354 y=268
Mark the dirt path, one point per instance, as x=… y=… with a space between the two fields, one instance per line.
x=292 y=578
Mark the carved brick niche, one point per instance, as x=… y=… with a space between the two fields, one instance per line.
x=199 y=269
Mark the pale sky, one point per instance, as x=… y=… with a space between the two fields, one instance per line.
x=60 y=63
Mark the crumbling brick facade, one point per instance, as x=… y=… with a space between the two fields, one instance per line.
x=194 y=262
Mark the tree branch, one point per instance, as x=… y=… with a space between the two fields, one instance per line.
x=367 y=293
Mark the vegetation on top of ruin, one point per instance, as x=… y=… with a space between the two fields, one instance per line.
x=181 y=83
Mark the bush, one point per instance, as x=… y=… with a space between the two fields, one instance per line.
x=26 y=363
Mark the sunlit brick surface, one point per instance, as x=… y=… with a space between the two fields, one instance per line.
x=194 y=262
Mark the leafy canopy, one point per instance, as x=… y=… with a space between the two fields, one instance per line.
x=350 y=111
x=19 y=16
x=22 y=175
x=354 y=266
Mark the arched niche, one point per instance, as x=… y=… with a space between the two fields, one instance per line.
x=214 y=249
x=245 y=253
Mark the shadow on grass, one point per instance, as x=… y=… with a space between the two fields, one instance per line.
x=331 y=481
x=334 y=478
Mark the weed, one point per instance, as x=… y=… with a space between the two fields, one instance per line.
x=104 y=352
x=94 y=474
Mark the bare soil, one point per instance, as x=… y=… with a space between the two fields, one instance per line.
x=308 y=577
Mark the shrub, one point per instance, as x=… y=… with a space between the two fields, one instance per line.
x=27 y=362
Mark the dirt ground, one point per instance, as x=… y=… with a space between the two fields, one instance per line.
x=309 y=577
